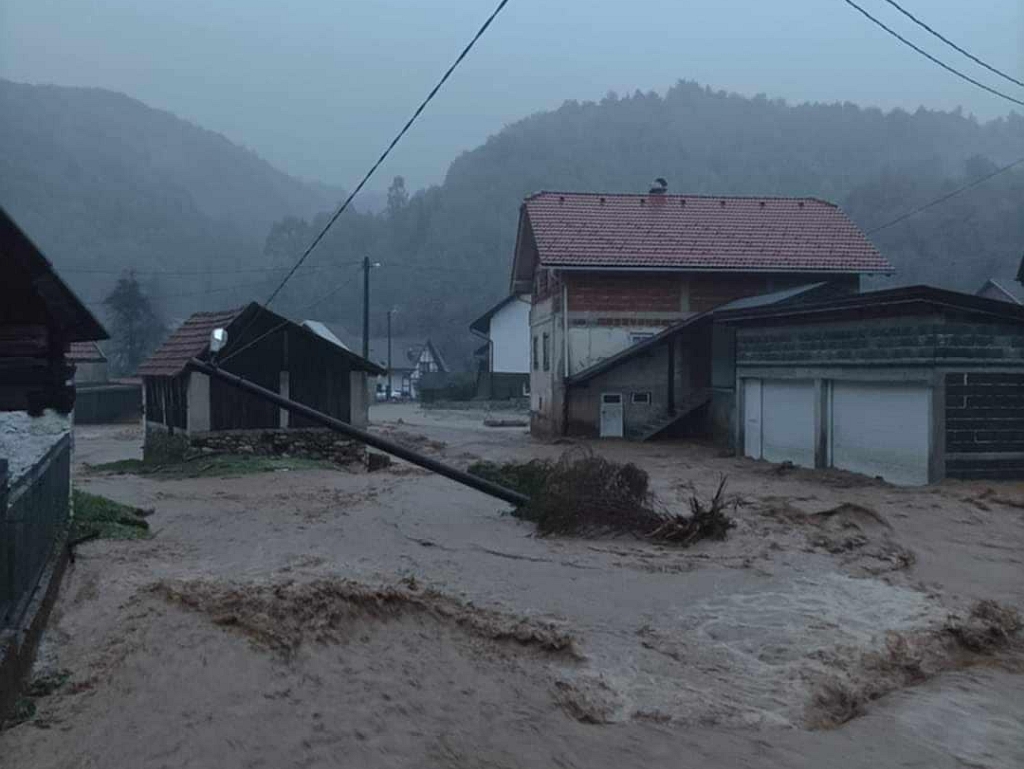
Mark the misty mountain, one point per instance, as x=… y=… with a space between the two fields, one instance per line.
x=104 y=182
x=447 y=250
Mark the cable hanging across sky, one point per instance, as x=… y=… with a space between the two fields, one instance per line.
x=933 y=59
x=947 y=196
x=387 y=151
x=953 y=45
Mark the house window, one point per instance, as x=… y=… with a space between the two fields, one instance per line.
x=547 y=352
x=642 y=398
x=535 y=363
x=526 y=389
x=640 y=336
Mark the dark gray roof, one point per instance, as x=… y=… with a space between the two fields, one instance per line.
x=65 y=310
x=907 y=299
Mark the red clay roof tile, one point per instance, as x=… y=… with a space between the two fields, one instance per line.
x=188 y=340
x=698 y=232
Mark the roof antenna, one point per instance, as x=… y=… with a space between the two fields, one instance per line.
x=660 y=186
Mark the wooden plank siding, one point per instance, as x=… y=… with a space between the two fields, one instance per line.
x=317 y=380
x=167 y=400
x=262 y=363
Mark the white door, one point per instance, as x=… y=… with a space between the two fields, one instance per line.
x=752 y=418
x=881 y=429
x=787 y=421
x=611 y=415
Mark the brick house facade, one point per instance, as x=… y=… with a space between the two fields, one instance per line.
x=606 y=272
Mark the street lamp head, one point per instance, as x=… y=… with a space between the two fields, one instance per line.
x=218 y=340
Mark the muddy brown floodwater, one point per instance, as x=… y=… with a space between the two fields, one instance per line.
x=395 y=619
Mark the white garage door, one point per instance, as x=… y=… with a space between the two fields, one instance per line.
x=787 y=421
x=881 y=429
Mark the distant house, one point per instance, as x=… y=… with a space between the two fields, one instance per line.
x=265 y=348
x=90 y=363
x=409 y=358
x=607 y=272
x=992 y=289
x=504 y=370
x=97 y=399
x=40 y=320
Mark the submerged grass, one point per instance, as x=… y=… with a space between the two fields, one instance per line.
x=214 y=466
x=582 y=493
x=97 y=516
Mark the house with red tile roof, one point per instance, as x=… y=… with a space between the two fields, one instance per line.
x=609 y=272
x=264 y=347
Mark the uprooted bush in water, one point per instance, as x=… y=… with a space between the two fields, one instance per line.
x=586 y=494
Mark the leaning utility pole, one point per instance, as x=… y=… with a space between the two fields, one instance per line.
x=370 y=439
x=366 y=307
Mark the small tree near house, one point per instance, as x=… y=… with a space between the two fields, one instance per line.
x=134 y=325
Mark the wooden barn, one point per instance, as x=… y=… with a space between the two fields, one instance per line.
x=40 y=318
x=265 y=348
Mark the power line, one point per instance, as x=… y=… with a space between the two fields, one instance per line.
x=931 y=58
x=953 y=45
x=281 y=325
x=387 y=151
x=175 y=273
x=947 y=196
x=189 y=294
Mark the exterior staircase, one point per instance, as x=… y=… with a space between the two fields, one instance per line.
x=664 y=420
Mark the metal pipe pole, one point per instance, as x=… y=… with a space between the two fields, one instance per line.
x=395 y=449
x=366 y=307
x=390 y=385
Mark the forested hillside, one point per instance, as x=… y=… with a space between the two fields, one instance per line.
x=446 y=250
x=103 y=182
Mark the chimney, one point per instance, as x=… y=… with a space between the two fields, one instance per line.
x=660 y=186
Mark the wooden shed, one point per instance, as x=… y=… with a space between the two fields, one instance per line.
x=265 y=348
x=40 y=317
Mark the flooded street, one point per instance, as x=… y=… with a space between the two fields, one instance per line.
x=322 y=618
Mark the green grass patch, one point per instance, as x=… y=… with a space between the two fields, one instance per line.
x=106 y=518
x=211 y=466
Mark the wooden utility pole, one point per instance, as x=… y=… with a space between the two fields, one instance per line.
x=366 y=307
x=390 y=385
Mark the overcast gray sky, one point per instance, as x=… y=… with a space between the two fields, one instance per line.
x=319 y=86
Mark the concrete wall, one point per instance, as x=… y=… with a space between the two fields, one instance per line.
x=546 y=388
x=510 y=338
x=984 y=424
x=647 y=373
x=359 y=392
x=197 y=409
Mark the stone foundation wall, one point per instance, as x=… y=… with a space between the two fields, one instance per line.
x=307 y=443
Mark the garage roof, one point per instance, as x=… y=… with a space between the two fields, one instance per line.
x=907 y=299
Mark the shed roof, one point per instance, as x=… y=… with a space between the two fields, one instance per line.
x=65 y=309
x=696 y=232
x=191 y=340
x=996 y=290
x=188 y=341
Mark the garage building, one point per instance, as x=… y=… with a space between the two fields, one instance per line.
x=910 y=384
